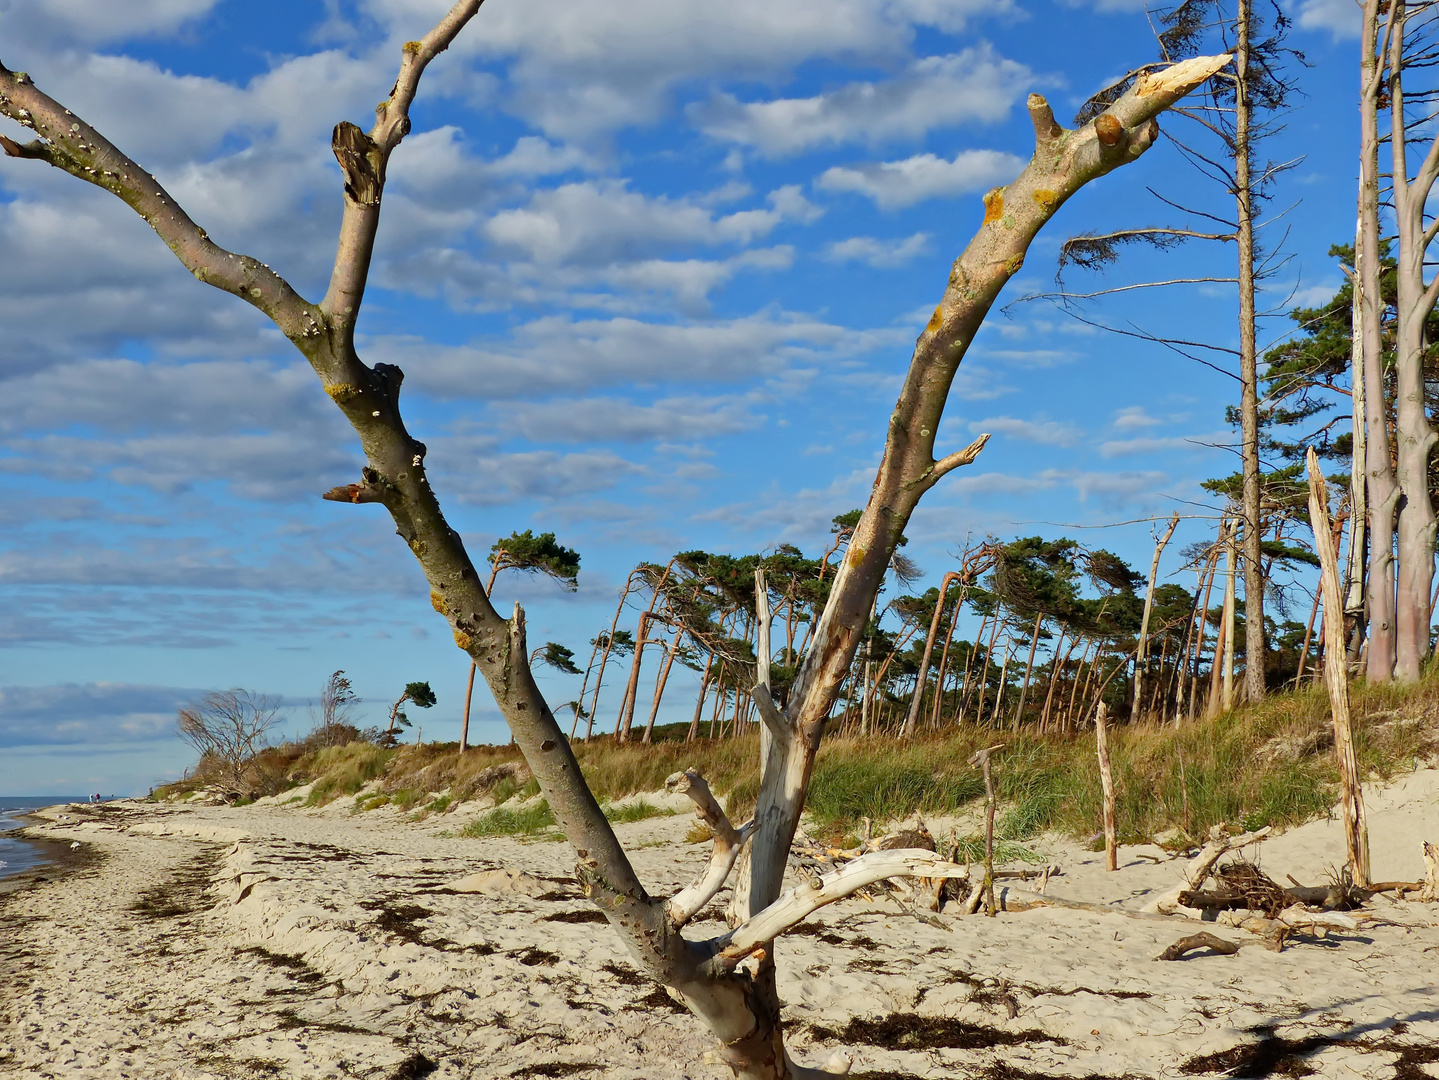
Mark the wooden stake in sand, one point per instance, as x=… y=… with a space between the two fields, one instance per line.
x=1336 y=677
x=981 y=759
x=1106 y=781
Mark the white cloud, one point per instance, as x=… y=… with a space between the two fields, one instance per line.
x=93 y=22
x=1134 y=417
x=558 y=354
x=88 y=713
x=615 y=419
x=973 y=86
x=1152 y=445
x=1339 y=17
x=602 y=221
x=896 y=184
x=579 y=69
x=878 y=253
x=1046 y=432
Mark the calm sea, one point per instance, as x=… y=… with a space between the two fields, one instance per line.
x=15 y=855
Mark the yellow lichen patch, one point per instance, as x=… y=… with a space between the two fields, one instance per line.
x=462 y=639
x=1045 y=198
x=856 y=555
x=1014 y=262
x=438 y=602
x=341 y=391
x=413 y=46
x=994 y=206
x=936 y=320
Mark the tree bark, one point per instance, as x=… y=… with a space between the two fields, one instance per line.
x=1336 y=678
x=922 y=679
x=1413 y=433
x=1139 y=656
x=1028 y=671
x=740 y=1004
x=465 y=723
x=664 y=677
x=1255 y=648
x=1381 y=484
x=944 y=661
x=1106 y=783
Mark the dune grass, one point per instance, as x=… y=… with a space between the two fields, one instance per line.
x=1270 y=764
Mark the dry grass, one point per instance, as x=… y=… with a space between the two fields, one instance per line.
x=1267 y=765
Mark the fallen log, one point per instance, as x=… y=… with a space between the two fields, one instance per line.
x=1201 y=940
x=1219 y=845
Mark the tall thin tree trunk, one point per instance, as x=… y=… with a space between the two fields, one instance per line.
x=1356 y=831
x=1213 y=569
x=1229 y=608
x=1414 y=436
x=1255 y=649
x=1056 y=666
x=664 y=677
x=1141 y=654
x=968 y=670
x=1028 y=670
x=944 y=661
x=916 y=700
x=1308 y=633
x=999 y=692
x=700 y=703
x=1381 y=485
x=465 y=723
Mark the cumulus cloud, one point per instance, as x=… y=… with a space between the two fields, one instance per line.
x=1045 y=432
x=604 y=221
x=1134 y=417
x=878 y=253
x=1113 y=448
x=83 y=713
x=95 y=22
x=973 y=86
x=896 y=184
x=580 y=70
x=609 y=419
x=559 y=354
x=1339 y=17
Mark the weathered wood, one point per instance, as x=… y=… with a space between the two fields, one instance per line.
x=1430 y=891
x=1202 y=865
x=1141 y=655
x=981 y=759
x=728 y=841
x=1106 y=781
x=1336 y=677
x=1201 y=940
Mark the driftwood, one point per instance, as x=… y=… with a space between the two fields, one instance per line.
x=1430 y=891
x=1106 y=779
x=1219 y=845
x=981 y=759
x=1201 y=940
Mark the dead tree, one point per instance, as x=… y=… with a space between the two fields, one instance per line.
x=728 y=981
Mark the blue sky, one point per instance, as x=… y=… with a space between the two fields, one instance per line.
x=653 y=271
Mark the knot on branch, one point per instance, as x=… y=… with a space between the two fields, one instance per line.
x=368 y=491
x=390 y=377
x=362 y=163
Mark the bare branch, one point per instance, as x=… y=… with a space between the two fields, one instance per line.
x=67 y=142
x=950 y=462
x=792 y=907
x=1130 y=288
x=364 y=158
x=728 y=841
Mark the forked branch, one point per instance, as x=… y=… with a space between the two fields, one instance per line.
x=728 y=841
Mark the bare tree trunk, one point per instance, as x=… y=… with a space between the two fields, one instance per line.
x=1074 y=687
x=922 y=679
x=984 y=668
x=968 y=669
x=1413 y=434
x=700 y=703
x=1056 y=666
x=1106 y=782
x=1356 y=831
x=1255 y=648
x=1382 y=487
x=465 y=723
x=1308 y=633
x=1003 y=675
x=605 y=656
x=626 y=717
x=1213 y=568
x=739 y=1004
x=664 y=677
x=1028 y=670
x=1139 y=657
x=944 y=662
x=1227 y=674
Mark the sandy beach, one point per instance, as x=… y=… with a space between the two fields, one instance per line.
x=189 y=942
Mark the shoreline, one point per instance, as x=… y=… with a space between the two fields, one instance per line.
x=316 y=943
x=55 y=856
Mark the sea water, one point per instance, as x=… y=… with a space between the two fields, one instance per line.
x=16 y=855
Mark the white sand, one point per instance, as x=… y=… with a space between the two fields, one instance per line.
x=277 y=941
